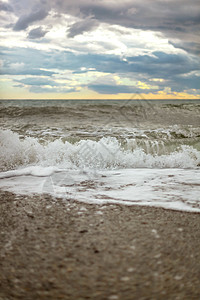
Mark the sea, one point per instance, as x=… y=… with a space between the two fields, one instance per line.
x=127 y=152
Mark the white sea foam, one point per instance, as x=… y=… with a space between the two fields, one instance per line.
x=177 y=189
x=34 y=171
x=103 y=171
x=106 y=153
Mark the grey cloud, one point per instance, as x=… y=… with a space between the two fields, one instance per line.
x=5 y=6
x=111 y=89
x=37 y=33
x=188 y=82
x=161 y=15
x=26 y=71
x=144 y=14
x=175 y=19
x=190 y=47
x=82 y=26
x=38 y=81
x=117 y=89
x=25 y=20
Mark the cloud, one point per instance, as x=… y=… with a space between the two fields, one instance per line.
x=44 y=85
x=25 y=71
x=111 y=84
x=5 y=7
x=119 y=89
x=82 y=26
x=164 y=65
x=37 y=81
x=25 y=61
x=112 y=89
x=159 y=15
x=139 y=56
x=176 y=20
x=164 y=16
x=25 y=20
x=190 y=47
x=189 y=82
x=158 y=65
x=37 y=33
x=39 y=89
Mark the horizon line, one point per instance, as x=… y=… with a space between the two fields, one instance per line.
x=99 y=99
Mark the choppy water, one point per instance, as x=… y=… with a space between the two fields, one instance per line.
x=132 y=152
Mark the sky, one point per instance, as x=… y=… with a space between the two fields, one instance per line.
x=99 y=49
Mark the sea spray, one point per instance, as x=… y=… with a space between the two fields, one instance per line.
x=106 y=153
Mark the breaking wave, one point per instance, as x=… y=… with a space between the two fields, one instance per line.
x=106 y=153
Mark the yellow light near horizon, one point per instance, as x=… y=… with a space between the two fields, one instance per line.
x=9 y=91
x=85 y=94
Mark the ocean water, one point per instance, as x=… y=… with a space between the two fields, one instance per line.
x=132 y=152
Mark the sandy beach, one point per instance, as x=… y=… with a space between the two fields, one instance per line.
x=51 y=249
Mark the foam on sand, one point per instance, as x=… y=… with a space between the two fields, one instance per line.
x=176 y=189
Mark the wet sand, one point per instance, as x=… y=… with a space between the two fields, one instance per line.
x=50 y=249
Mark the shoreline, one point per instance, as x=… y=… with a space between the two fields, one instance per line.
x=52 y=249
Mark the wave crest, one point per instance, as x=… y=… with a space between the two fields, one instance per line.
x=107 y=153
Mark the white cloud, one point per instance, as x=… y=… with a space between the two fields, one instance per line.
x=117 y=40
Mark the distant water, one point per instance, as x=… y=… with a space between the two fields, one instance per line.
x=131 y=152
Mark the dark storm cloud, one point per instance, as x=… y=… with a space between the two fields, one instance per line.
x=37 y=33
x=190 y=47
x=80 y=27
x=25 y=20
x=176 y=19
